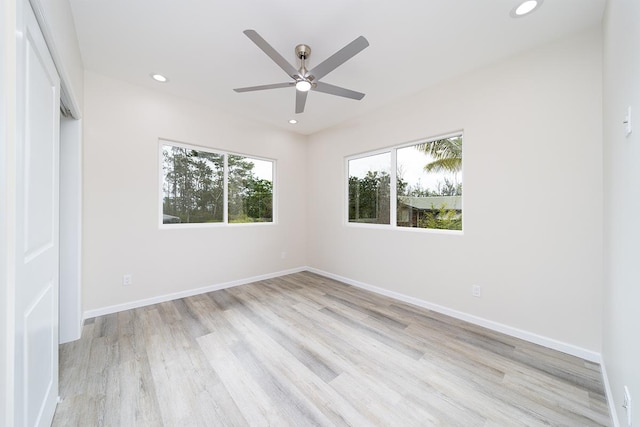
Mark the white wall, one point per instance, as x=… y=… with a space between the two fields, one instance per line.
x=122 y=126
x=532 y=195
x=621 y=343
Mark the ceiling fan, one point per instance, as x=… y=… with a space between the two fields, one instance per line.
x=305 y=80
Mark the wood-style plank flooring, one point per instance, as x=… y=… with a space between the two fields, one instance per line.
x=304 y=350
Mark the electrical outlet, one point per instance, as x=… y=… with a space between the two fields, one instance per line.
x=627 y=404
x=127 y=280
x=476 y=291
x=283 y=255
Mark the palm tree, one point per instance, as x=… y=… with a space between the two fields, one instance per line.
x=446 y=154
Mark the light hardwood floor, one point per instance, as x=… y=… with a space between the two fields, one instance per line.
x=304 y=350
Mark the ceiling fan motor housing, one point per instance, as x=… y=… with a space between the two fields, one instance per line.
x=303 y=51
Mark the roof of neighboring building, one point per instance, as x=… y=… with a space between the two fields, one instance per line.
x=170 y=219
x=432 y=202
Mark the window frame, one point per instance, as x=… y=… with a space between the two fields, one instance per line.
x=392 y=189
x=225 y=214
x=393 y=195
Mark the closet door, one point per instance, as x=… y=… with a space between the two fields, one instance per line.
x=37 y=215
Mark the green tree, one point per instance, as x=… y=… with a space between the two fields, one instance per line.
x=240 y=174
x=259 y=200
x=369 y=198
x=441 y=218
x=181 y=183
x=447 y=188
x=446 y=154
x=208 y=186
x=193 y=187
x=447 y=158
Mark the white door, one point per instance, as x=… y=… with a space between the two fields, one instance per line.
x=37 y=241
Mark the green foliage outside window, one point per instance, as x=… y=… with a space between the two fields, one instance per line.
x=250 y=198
x=428 y=185
x=193 y=187
x=441 y=218
x=369 y=198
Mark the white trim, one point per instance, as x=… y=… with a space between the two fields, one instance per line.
x=8 y=67
x=489 y=324
x=391 y=227
x=162 y=142
x=607 y=388
x=393 y=190
x=225 y=190
x=347 y=176
x=70 y=288
x=393 y=171
x=385 y=149
x=551 y=343
x=204 y=225
x=183 y=294
x=70 y=98
x=160 y=180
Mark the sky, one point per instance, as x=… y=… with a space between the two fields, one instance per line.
x=411 y=164
x=262 y=169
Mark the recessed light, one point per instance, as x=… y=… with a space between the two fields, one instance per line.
x=293 y=121
x=525 y=8
x=159 y=78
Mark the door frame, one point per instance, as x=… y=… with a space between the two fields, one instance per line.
x=70 y=328
x=70 y=230
x=7 y=208
x=71 y=315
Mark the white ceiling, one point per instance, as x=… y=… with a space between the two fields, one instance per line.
x=200 y=47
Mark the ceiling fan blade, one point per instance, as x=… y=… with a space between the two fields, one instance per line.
x=337 y=90
x=339 y=58
x=263 y=87
x=301 y=99
x=271 y=52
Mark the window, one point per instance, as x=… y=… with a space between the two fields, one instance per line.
x=206 y=186
x=370 y=189
x=193 y=185
x=250 y=189
x=426 y=178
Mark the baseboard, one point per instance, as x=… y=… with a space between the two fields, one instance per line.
x=499 y=327
x=489 y=324
x=183 y=294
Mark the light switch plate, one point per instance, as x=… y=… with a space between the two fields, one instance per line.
x=627 y=122
x=627 y=404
